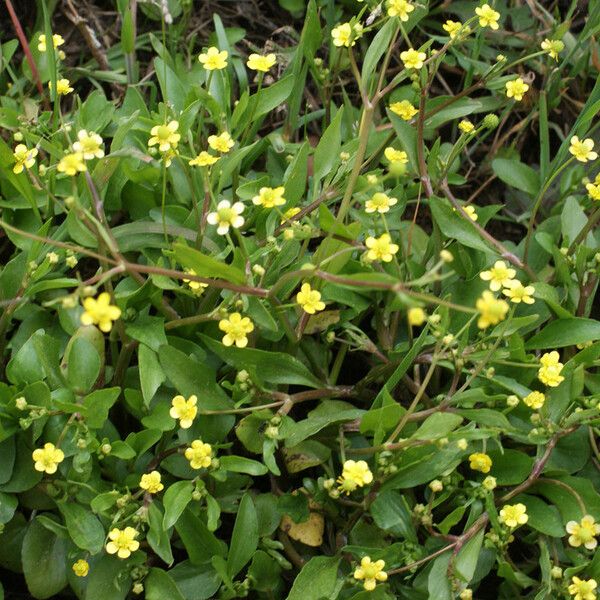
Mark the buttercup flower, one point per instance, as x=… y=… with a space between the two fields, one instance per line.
x=199 y=454
x=151 y=482
x=63 y=87
x=370 y=573
x=478 y=461
x=256 y=62
x=500 y=275
x=289 y=213
x=204 y=159
x=48 y=458
x=379 y=202
x=236 y=329
x=583 y=533
x=470 y=210
x=214 y=59
x=400 y=8
x=309 y=299
x=593 y=189
x=381 y=248
x=122 y=542
x=346 y=35
x=549 y=371
x=412 y=59
x=583 y=150
x=513 y=515
x=355 y=474
x=535 y=400
x=100 y=312
x=57 y=40
x=195 y=286
x=583 y=589
x=226 y=216
x=517 y=292
x=221 y=143
x=24 y=158
x=553 y=47
x=492 y=309
x=489 y=483
x=453 y=28
x=184 y=410
x=395 y=156
x=516 y=88
x=81 y=568
x=71 y=164
x=165 y=136
x=416 y=316
x=269 y=197
x=404 y=109
x=89 y=144
x=466 y=126
x=488 y=17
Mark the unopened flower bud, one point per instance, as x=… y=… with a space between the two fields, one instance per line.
x=436 y=485
x=491 y=121
x=556 y=572
x=258 y=270
x=489 y=483
x=21 y=403
x=512 y=400
x=446 y=256
x=18 y=136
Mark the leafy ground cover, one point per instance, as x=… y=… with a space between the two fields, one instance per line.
x=297 y=300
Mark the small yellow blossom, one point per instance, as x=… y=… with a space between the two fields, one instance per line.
x=226 y=216
x=593 y=189
x=583 y=589
x=488 y=17
x=381 y=248
x=404 y=109
x=395 y=156
x=100 y=312
x=269 y=197
x=214 y=59
x=400 y=8
x=289 y=214
x=204 y=159
x=57 y=40
x=499 y=275
x=24 y=158
x=48 y=458
x=236 y=329
x=195 y=286
x=453 y=28
x=549 y=371
x=517 y=292
x=370 y=573
x=583 y=533
x=165 y=136
x=199 y=454
x=489 y=483
x=346 y=34
x=470 y=210
x=416 y=316
x=221 y=143
x=553 y=47
x=466 y=126
x=63 y=87
x=412 y=59
x=151 y=482
x=122 y=542
x=81 y=568
x=492 y=310
x=513 y=515
x=309 y=299
x=535 y=400
x=89 y=144
x=516 y=89
x=379 y=202
x=478 y=461
x=355 y=474
x=583 y=150
x=52 y=257
x=184 y=410
x=71 y=164
x=256 y=62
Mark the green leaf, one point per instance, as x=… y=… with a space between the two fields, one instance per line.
x=467 y=558
x=317 y=579
x=151 y=373
x=437 y=425
x=160 y=586
x=108 y=578
x=206 y=266
x=295 y=179
x=391 y=512
x=157 y=536
x=195 y=582
x=565 y=332
x=240 y=464
x=244 y=539
x=327 y=153
x=517 y=174
x=542 y=517
x=378 y=46
x=510 y=467
x=97 y=405
x=273 y=96
x=199 y=542
x=82 y=365
x=84 y=528
x=176 y=498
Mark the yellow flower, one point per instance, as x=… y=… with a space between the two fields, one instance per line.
x=204 y=159
x=479 y=461
x=379 y=202
x=151 y=482
x=593 y=189
x=516 y=88
x=289 y=213
x=57 y=40
x=416 y=316
x=488 y=17
x=399 y=8
x=466 y=126
x=165 y=136
x=553 y=47
x=47 y=458
x=100 y=312
x=470 y=210
x=213 y=59
x=583 y=150
x=453 y=28
x=517 y=292
x=199 y=454
x=499 y=275
x=63 y=87
x=256 y=62
x=395 y=156
x=24 y=158
x=226 y=216
x=549 y=371
x=412 y=59
x=381 y=248
x=346 y=34
x=370 y=573
x=489 y=483
x=309 y=299
x=583 y=533
x=513 y=515
x=89 y=144
x=122 y=542
x=535 y=400
x=355 y=474
x=71 y=164
x=81 y=568
x=184 y=410
x=221 y=143
x=583 y=589
x=195 y=286
x=492 y=310
x=269 y=197
x=404 y=109
x=236 y=329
